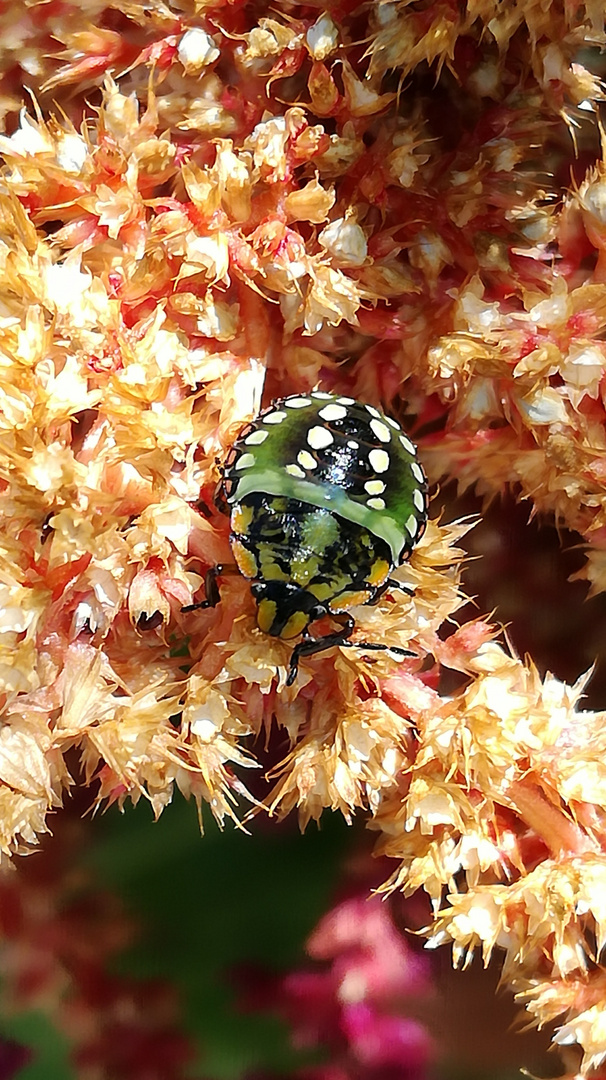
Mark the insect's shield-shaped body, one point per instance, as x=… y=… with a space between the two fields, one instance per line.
x=326 y=498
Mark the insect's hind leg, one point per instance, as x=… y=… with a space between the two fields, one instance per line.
x=310 y=645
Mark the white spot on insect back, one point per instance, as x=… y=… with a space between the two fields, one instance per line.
x=319 y=437
x=346 y=401
x=419 y=500
x=376 y=504
x=274 y=417
x=411 y=526
x=256 y=437
x=353 y=445
x=374 y=487
x=244 y=462
x=295 y=470
x=381 y=430
x=406 y=443
x=333 y=412
x=393 y=423
x=321 y=395
x=373 y=412
x=306 y=459
x=298 y=402
x=379 y=459
x=417 y=472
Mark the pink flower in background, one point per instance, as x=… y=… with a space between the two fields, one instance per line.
x=353 y=1005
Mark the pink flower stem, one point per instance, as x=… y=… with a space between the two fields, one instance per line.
x=558 y=831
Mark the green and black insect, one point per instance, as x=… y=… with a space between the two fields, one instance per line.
x=326 y=497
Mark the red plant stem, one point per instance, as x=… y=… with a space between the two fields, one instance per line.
x=561 y=835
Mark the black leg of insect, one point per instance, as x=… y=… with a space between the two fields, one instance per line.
x=391 y=585
x=326 y=498
x=310 y=645
x=211 y=588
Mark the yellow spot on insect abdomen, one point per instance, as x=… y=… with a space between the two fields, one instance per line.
x=295 y=625
x=303 y=569
x=270 y=569
x=241 y=517
x=350 y=599
x=266 y=613
x=247 y=564
x=323 y=590
x=379 y=573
